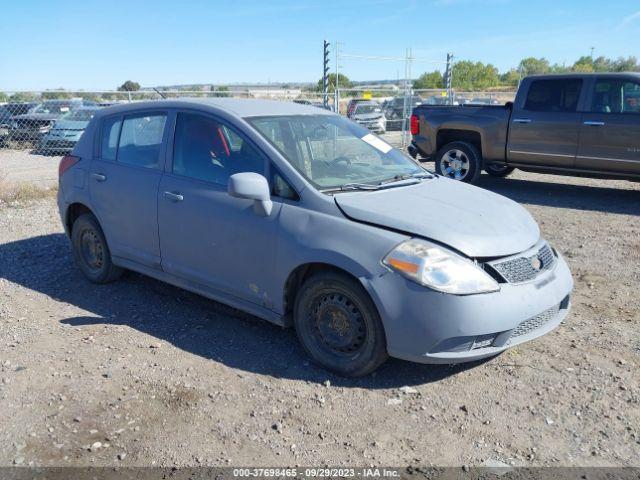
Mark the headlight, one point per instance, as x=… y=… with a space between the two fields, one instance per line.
x=438 y=268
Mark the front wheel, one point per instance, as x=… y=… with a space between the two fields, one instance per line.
x=496 y=170
x=459 y=161
x=338 y=325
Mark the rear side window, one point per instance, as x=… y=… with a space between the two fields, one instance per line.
x=208 y=150
x=110 y=133
x=616 y=96
x=553 y=95
x=141 y=140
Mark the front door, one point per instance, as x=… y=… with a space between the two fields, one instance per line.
x=124 y=181
x=544 y=130
x=207 y=236
x=610 y=135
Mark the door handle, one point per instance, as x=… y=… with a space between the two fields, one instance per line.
x=521 y=120
x=594 y=124
x=99 y=177
x=174 y=197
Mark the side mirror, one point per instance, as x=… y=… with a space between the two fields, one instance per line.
x=252 y=186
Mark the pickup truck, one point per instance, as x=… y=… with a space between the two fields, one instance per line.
x=573 y=124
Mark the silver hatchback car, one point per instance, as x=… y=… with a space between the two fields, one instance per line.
x=305 y=219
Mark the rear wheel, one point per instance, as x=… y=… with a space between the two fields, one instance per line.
x=497 y=170
x=459 y=161
x=91 y=252
x=338 y=325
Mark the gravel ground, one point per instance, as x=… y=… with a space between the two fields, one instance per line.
x=23 y=166
x=142 y=373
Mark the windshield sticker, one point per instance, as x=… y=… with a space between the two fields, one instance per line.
x=375 y=142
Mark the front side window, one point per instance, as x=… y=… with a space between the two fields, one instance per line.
x=331 y=151
x=553 y=95
x=616 y=96
x=208 y=150
x=141 y=140
x=109 y=141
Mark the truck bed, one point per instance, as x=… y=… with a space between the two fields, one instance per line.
x=488 y=122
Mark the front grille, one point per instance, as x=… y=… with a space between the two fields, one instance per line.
x=522 y=269
x=535 y=323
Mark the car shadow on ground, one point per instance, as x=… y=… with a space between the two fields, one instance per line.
x=565 y=195
x=188 y=321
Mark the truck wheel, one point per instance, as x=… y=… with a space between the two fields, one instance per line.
x=498 y=170
x=338 y=325
x=459 y=161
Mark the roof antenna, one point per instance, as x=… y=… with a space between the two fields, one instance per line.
x=159 y=92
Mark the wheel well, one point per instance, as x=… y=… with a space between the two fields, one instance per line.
x=73 y=212
x=296 y=279
x=451 y=135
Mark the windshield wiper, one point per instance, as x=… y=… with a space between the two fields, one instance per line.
x=352 y=186
x=406 y=176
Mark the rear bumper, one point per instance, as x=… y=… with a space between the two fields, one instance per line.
x=426 y=326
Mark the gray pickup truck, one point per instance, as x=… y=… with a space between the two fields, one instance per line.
x=574 y=124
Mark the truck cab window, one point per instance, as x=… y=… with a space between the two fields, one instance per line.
x=616 y=96
x=553 y=95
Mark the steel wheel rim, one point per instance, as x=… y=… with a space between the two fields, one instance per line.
x=92 y=250
x=455 y=164
x=338 y=324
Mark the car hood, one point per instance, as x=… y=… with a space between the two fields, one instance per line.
x=36 y=116
x=471 y=220
x=74 y=125
x=367 y=116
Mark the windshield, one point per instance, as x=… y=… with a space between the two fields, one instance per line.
x=79 y=115
x=331 y=151
x=367 y=108
x=53 y=108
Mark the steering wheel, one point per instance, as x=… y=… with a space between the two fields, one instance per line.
x=341 y=159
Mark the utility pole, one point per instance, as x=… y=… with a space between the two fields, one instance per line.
x=448 y=77
x=592 y=49
x=325 y=75
x=406 y=107
x=336 y=92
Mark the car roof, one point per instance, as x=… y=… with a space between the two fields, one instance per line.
x=241 y=107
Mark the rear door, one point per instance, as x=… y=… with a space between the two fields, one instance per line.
x=545 y=124
x=124 y=181
x=610 y=131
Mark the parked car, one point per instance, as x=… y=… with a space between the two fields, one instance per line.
x=66 y=131
x=302 y=217
x=351 y=106
x=581 y=124
x=32 y=126
x=369 y=115
x=394 y=111
x=10 y=110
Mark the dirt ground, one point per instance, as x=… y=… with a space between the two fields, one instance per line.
x=142 y=373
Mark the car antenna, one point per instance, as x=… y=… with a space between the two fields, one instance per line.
x=159 y=92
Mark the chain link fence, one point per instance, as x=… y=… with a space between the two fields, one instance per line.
x=49 y=124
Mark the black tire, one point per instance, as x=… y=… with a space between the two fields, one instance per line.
x=90 y=250
x=338 y=325
x=470 y=162
x=496 y=170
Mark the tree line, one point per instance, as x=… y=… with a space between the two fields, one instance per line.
x=468 y=75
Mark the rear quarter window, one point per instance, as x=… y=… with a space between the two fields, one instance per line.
x=109 y=141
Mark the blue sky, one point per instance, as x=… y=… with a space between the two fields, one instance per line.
x=97 y=44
